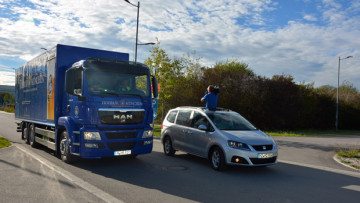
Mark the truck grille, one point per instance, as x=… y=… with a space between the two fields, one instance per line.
x=113 y=117
x=121 y=145
x=262 y=147
x=127 y=135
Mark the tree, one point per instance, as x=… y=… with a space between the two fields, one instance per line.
x=7 y=98
x=170 y=76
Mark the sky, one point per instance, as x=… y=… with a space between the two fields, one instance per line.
x=301 y=38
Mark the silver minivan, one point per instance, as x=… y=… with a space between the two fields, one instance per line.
x=222 y=136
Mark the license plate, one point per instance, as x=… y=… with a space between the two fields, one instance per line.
x=266 y=155
x=120 y=153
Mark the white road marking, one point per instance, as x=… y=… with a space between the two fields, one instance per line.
x=333 y=170
x=72 y=178
x=352 y=187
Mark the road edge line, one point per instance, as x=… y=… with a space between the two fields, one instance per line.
x=72 y=178
x=338 y=171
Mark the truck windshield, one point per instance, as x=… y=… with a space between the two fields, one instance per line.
x=113 y=83
x=230 y=121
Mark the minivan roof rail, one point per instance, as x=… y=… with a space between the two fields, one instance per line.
x=204 y=108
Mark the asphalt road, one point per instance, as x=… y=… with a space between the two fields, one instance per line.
x=306 y=172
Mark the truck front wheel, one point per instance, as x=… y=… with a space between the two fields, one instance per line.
x=65 y=148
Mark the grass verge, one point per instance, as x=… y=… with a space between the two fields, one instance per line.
x=9 y=109
x=157 y=130
x=349 y=156
x=4 y=142
x=312 y=133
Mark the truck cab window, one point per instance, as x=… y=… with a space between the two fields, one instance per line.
x=74 y=81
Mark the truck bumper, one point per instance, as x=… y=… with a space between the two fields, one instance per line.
x=112 y=143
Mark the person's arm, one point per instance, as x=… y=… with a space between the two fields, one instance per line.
x=204 y=98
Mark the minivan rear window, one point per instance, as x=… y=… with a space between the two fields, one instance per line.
x=171 y=116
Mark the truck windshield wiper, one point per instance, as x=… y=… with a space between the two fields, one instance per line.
x=110 y=93
x=133 y=95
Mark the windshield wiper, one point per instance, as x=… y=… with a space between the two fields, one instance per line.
x=110 y=93
x=133 y=95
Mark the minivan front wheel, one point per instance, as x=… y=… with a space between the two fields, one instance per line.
x=217 y=159
x=168 y=148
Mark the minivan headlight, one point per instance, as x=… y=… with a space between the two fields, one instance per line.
x=92 y=136
x=147 y=134
x=238 y=145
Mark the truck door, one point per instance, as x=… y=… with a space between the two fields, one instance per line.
x=74 y=87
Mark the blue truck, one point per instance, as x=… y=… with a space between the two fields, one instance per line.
x=86 y=103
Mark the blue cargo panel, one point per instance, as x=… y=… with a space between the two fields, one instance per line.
x=39 y=89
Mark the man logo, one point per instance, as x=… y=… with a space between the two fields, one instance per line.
x=264 y=147
x=123 y=119
x=116 y=116
x=129 y=116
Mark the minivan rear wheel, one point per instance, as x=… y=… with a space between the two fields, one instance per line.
x=168 y=148
x=217 y=159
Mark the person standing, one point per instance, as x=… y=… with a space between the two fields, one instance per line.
x=210 y=98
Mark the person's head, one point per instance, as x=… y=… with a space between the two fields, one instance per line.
x=124 y=82
x=210 y=88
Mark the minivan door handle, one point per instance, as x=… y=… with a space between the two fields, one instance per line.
x=187 y=131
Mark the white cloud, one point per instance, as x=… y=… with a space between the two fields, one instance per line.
x=211 y=28
x=7 y=78
x=310 y=17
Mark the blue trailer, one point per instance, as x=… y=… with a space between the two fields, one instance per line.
x=85 y=103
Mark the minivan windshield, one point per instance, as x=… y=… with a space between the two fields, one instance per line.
x=230 y=121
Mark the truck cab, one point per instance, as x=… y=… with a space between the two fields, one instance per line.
x=107 y=109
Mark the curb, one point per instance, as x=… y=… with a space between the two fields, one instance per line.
x=339 y=161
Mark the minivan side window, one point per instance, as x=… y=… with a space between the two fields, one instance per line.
x=183 y=118
x=171 y=117
x=199 y=119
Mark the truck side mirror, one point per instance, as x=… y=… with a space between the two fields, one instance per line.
x=154 y=87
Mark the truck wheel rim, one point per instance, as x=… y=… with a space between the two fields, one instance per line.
x=32 y=135
x=63 y=145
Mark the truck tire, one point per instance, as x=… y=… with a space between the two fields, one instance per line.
x=31 y=136
x=64 y=147
x=26 y=135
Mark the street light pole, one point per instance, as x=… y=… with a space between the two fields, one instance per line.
x=137 y=30
x=137 y=25
x=337 y=94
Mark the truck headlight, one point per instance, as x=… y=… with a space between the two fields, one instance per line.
x=92 y=136
x=238 y=145
x=147 y=134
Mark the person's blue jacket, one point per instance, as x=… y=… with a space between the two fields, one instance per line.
x=211 y=101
